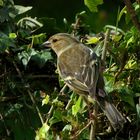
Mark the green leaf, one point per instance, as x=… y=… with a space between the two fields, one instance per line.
x=131 y=64
x=42 y=133
x=93 y=40
x=77 y=106
x=15 y=108
x=131 y=40
x=92 y=4
x=116 y=38
x=126 y=95
x=4 y=14
x=42 y=57
x=28 y=22
x=25 y=56
x=137 y=94
x=6 y=42
x=68 y=127
x=38 y=39
x=1 y=2
x=45 y=100
x=22 y=9
x=109 y=82
x=12 y=35
x=138 y=110
x=57 y=117
x=123 y=11
x=58 y=103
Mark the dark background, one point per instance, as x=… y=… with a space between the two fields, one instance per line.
x=68 y=9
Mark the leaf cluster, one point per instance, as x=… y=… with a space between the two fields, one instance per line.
x=33 y=100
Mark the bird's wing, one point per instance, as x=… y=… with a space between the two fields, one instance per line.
x=80 y=71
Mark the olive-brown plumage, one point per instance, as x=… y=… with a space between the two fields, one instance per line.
x=80 y=68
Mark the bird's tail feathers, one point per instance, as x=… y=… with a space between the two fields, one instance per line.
x=114 y=116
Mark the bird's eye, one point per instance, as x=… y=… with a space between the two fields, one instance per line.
x=54 y=40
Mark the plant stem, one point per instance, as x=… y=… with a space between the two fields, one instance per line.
x=80 y=131
x=94 y=123
x=132 y=13
x=105 y=46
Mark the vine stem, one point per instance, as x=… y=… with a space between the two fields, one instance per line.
x=80 y=131
x=94 y=123
x=107 y=34
x=132 y=13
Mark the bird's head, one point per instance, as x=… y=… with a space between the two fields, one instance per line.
x=60 y=41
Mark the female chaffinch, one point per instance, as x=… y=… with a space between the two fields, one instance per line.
x=80 y=68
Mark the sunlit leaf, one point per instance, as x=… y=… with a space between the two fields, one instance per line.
x=57 y=117
x=93 y=40
x=22 y=9
x=38 y=39
x=67 y=128
x=12 y=35
x=116 y=37
x=92 y=4
x=77 y=106
x=42 y=133
x=29 y=22
x=58 y=103
x=123 y=11
x=109 y=82
x=131 y=64
x=1 y=2
x=45 y=100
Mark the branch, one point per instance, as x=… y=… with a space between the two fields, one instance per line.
x=4 y=123
x=94 y=123
x=49 y=113
x=80 y=131
x=105 y=46
x=31 y=96
x=132 y=13
x=40 y=76
x=34 y=103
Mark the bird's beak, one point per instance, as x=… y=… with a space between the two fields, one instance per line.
x=46 y=44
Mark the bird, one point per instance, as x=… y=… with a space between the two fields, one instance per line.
x=80 y=68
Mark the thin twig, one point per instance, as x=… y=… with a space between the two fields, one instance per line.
x=40 y=76
x=68 y=104
x=105 y=46
x=37 y=109
x=132 y=13
x=2 y=75
x=49 y=113
x=94 y=123
x=76 y=26
x=2 y=119
x=31 y=96
x=92 y=132
x=52 y=107
x=64 y=89
x=18 y=71
x=80 y=131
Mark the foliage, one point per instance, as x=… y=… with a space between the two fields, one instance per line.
x=92 y=5
x=30 y=99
